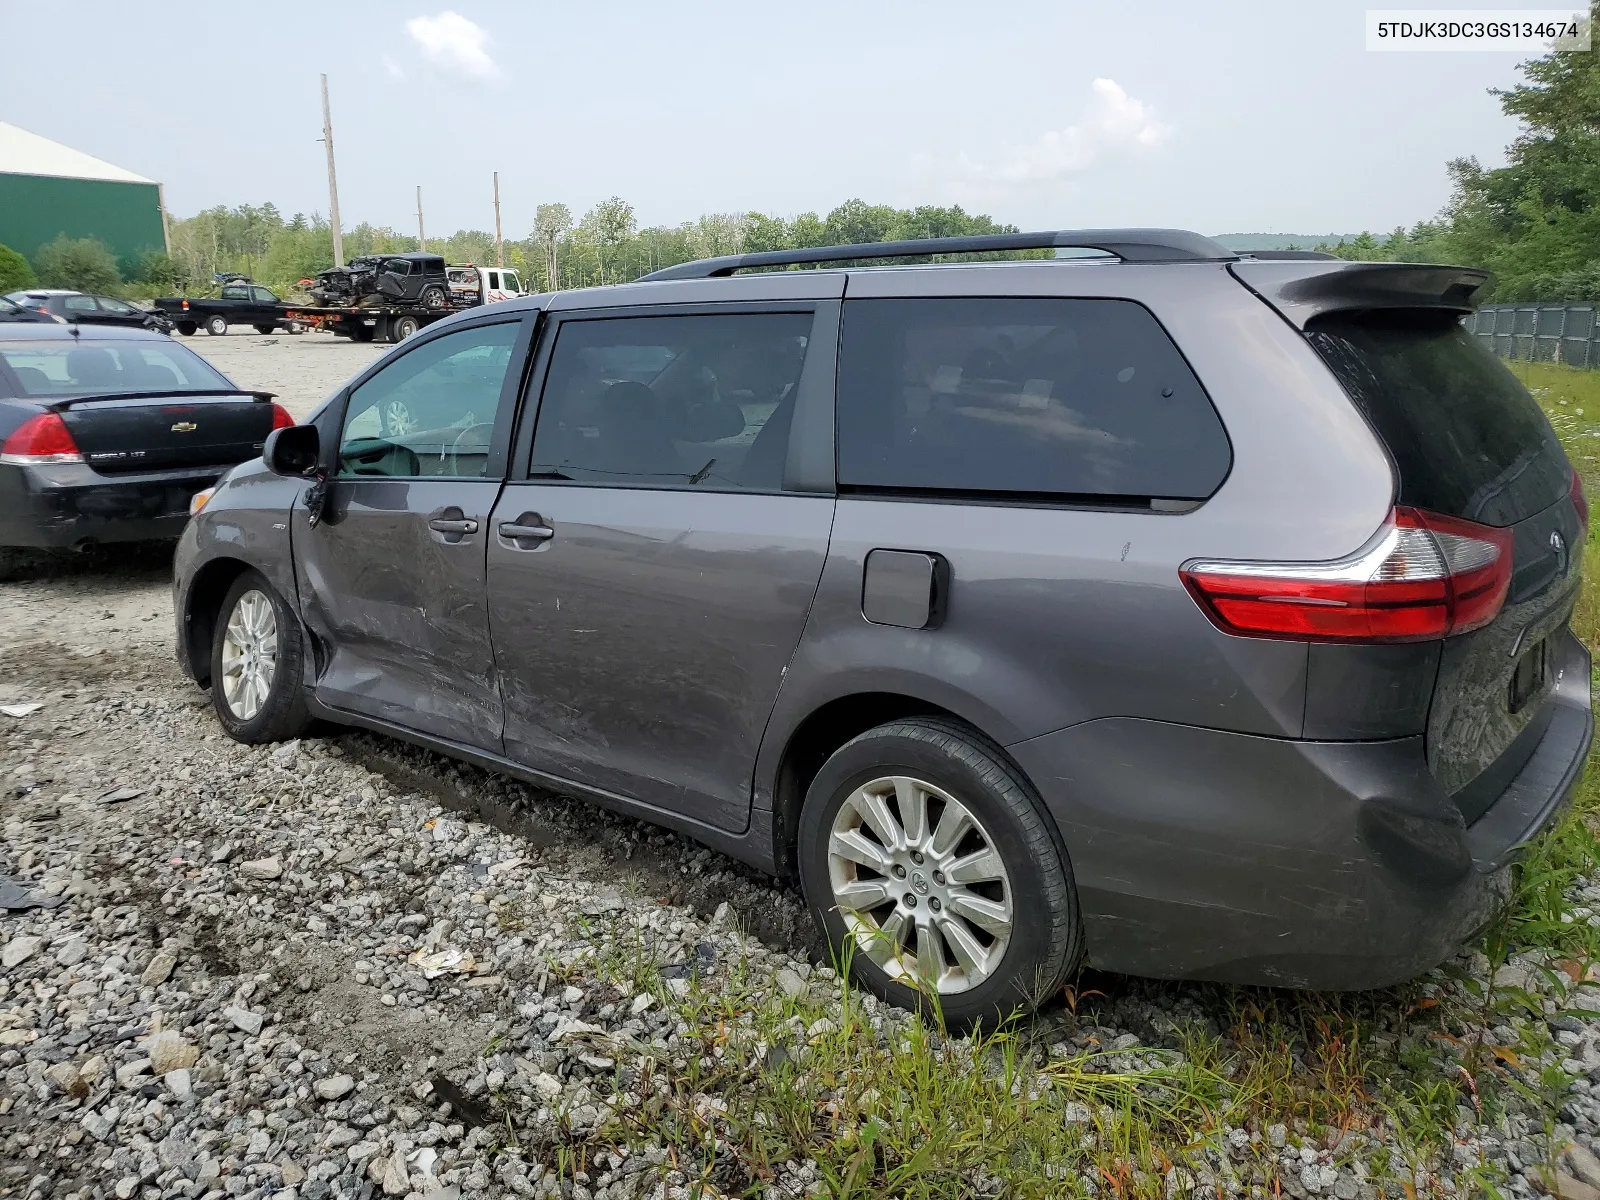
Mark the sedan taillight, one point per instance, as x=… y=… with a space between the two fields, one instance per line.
x=40 y=440
x=1424 y=576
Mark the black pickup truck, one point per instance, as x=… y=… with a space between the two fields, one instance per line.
x=240 y=304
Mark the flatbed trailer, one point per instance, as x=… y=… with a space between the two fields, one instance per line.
x=379 y=323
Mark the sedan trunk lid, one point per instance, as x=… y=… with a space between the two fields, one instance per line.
x=149 y=433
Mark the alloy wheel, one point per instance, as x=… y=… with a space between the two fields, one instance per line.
x=920 y=885
x=397 y=419
x=249 y=654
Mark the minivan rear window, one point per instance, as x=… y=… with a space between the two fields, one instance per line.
x=1025 y=398
x=1466 y=437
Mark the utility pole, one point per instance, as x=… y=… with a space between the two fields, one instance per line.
x=499 y=246
x=422 y=238
x=333 y=179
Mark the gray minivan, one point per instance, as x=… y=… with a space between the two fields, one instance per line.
x=1189 y=613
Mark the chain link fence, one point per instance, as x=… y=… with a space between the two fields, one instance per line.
x=1554 y=333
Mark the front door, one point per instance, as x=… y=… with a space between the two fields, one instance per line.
x=649 y=574
x=392 y=578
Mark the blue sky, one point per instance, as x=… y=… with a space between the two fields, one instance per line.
x=1223 y=117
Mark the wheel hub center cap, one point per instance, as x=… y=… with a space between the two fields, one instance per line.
x=919 y=883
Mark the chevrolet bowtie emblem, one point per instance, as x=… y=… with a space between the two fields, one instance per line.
x=184 y=427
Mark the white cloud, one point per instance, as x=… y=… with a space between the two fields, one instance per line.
x=452 y=42
x=394 y=68
x=1113 y=125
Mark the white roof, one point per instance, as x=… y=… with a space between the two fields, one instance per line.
x=24 y=153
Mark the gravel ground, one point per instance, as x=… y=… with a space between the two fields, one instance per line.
x=346 y=968
x=341 y=967
x=235 y=994
x=304 y=368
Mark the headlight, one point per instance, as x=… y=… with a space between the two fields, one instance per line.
x=198 y=500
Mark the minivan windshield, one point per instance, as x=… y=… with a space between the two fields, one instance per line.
x=57 y=368
x=1467 y=438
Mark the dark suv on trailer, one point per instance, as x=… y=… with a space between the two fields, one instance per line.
x=1204 y=615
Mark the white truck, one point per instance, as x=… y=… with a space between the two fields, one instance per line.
x=471 y=284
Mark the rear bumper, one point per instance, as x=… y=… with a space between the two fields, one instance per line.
x=1211 y=855
x=68 y=505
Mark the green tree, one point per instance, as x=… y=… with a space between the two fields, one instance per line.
x=158 y=269
x=606 y=228
x=14 y=271
x=84 y=264
x=762 y=232
x=855 y=222
x=551 y=223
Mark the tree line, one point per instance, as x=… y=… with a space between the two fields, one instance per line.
x=604 y=245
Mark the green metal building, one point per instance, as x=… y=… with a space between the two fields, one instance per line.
x=47 y=189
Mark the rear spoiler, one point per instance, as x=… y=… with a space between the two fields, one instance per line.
x=67 y=402
x=1302 y=290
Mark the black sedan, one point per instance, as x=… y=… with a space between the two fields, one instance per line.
x=11 y=311
x=84 y=308
x=106 y=435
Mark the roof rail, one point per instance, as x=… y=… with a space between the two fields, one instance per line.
x=1295 y=255
x=1129 y=245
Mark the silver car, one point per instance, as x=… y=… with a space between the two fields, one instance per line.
x=1188 y=613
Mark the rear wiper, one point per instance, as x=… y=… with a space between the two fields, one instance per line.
x=162 y=393
x=700 y=475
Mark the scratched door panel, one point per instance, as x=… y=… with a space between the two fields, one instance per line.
x=641 y=644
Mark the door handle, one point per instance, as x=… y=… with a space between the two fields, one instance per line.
x=527 y=528
x=444 y=525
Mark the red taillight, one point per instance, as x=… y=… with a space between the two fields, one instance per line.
x=280 y=417
x=41 y=439
x=185 y=306
x=1424 y=576
x=1579 y=500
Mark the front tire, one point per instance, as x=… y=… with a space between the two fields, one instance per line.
x=264 y=330
x=258 y=664
x=216 y=326
x=188 y=328
x=930 y=865
x=402 y=328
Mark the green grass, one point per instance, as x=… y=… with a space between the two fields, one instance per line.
x=887 y=1105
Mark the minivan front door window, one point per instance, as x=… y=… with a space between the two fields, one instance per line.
x=393 y=575
x=431 y=412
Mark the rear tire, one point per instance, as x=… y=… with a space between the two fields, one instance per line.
x=263 y=330
x=256 y=691
x=402 y=328
x=188 y=328
x=216 y=326
x=433 y=298
x=1009 y=904
x=361 y=333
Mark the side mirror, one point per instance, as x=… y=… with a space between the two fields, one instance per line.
x=295 y=452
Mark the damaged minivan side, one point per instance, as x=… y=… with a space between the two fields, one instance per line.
x=1191 y=614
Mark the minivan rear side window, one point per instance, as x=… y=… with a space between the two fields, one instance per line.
x=1027 y=398
x=699 y=401
x=1467 y=438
